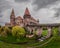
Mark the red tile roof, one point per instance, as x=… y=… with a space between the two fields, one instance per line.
x=12 y=13
x=33 y=19
x=19 y=17
x=27 y=12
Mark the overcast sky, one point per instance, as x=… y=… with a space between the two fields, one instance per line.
x=47 y=11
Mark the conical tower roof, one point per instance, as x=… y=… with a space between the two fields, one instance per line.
x=12 y=13
x=27 y=12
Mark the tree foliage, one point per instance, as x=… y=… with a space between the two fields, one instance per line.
x=0 y=26
x=18 y=31
x=4 y=31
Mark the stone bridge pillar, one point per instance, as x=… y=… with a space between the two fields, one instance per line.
x=49 y=32
x=31 y=29
x=39 y=31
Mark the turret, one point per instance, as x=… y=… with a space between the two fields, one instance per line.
x=27 y=14
x=12 y=18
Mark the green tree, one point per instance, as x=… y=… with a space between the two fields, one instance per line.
x=18 y=31
x=7 y=30
x=4 y=31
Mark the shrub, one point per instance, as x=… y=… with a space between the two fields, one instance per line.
x=10 y=28
x=55 y=31
x=45 y=32
x=18 y=31
x=17 y=35
x=4 y=31
x=35 y=33
x=0 y=30
x=0 y=26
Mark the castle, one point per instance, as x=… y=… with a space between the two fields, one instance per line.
x=31 y=24
x=19 y=21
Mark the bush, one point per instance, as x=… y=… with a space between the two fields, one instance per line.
x=4 y=31
x=55 y=31
x=0 y=26
x=35 y=33
x=17 y=34
x=45 y=32
x=10 y=28
x=0 y=30
x=18 y=31
x=7 y=30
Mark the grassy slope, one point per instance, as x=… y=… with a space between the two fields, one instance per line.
x=54 y=43
x=31 y=44
x=6 y=45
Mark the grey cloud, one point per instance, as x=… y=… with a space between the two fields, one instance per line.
x=21 y=0
x=57 y=14
x=0 y=15
x=2 y=23
x=43 y=3
x=4 y=5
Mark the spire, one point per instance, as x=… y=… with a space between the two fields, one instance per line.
x=27 y=12
x=12 y=13
x=12 y=18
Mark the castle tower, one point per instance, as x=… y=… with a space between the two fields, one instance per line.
x=12 y=18
x=26 y=17
x=27 y=14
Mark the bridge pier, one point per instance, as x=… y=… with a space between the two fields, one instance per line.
x=31 y=29
x=49 y=32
